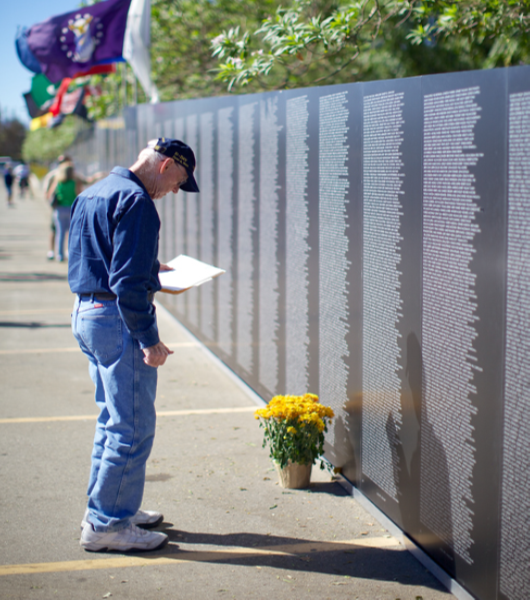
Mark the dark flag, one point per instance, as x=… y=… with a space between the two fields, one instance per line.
x=43 y=90
x=33 y=110
x=76 y=41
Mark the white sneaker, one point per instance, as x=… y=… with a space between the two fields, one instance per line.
x=142 y=519
x=131 y=538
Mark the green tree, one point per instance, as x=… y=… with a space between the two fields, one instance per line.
x=45 y=145
x=182 y=32
x=323 y=42
x=12 y=134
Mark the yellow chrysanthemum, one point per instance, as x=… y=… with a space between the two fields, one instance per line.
x=303 y=409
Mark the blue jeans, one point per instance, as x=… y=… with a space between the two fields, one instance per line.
x=61 y=216
x=125 y=429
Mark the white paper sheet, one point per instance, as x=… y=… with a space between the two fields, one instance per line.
x=187 y=272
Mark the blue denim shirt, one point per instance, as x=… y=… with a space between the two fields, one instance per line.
x=113 y=247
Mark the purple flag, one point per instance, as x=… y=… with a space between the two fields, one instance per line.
x=76 y=41
x=24 y=53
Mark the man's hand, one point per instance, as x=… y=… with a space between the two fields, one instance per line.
x=164 y=267
x=156 y=355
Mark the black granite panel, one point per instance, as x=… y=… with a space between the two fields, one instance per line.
x=463 y=302
x=390 y=303
x=514 y=547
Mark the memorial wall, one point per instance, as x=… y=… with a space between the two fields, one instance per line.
x=376 y=242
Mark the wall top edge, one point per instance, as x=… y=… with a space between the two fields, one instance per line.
x=230 y=99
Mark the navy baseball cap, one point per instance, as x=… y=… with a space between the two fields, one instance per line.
x=182 y=154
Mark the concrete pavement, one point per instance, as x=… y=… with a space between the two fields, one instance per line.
x=234 y=533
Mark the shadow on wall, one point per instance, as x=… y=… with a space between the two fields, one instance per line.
x=421 y=470
x=419 y=461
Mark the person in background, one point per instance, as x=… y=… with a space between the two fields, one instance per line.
x=8 y=180
x=62 y=193
x=22 y=172
x=50 y=182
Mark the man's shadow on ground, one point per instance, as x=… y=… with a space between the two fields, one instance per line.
x=298 y=554
x=31 y=277
x=32 y=324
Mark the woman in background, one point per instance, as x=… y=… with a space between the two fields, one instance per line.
x=61 y=195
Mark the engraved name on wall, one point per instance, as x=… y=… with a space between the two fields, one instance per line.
x=514 y=580
x=382 y=212
x=448 y=316
x=297 y=247
x=245 y=228
x=268 y=319
x=192 y=218
x=225 y=234
x=180 y=300
x=207 y=237
x=333 y=249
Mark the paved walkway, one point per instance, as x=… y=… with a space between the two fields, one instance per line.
x=234 y=533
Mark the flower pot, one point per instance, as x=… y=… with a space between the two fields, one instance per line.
x=294 y=475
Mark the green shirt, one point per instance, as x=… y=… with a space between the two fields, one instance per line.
x=65 y=193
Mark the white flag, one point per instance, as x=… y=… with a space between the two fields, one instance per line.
x=136 y=44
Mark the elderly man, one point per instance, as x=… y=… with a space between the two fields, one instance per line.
x=113 y=270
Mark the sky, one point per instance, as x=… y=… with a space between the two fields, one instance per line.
x=16 y=79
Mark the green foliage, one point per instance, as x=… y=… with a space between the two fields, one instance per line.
x=289 y=440
x=45 y=145
x=12 y=134
x=306 y=43
x=182 y=32
x=117 y=90
x=315 y=42
x=201 y=48
x=498 y=30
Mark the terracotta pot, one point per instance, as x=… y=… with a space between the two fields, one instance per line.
x=294 y=475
